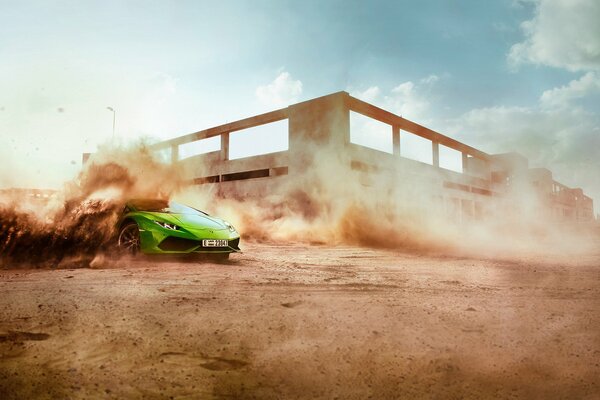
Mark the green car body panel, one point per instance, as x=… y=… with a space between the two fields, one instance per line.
x=192 y=227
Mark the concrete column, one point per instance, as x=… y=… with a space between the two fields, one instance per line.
x=319 y=129
x=435 y=149
x=225 y=146
x=465 y=162
x=396 y=139
x=488 y=170
x=174 y=153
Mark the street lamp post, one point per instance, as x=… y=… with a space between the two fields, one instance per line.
x=114 y=119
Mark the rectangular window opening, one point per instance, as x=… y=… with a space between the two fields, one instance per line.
x=238 y=176
x=363 y=167
x=278 y=171
x=259 y=140
x=450 y=159
x=416 y=148
x=484 y=192
x=370 y=133
x=206 y=179
x=457 y=186
x=197 y=147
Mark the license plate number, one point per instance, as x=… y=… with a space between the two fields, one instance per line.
x=215 y=243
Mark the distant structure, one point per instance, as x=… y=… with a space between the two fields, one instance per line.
x=319 y=133
x=21 y=193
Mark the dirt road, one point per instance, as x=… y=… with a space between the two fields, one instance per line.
x=298 y=321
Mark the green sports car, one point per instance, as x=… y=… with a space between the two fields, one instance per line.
x=154 y=226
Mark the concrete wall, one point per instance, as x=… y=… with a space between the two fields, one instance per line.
x=320 y=149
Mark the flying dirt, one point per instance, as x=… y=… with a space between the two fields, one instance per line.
x=74 y=225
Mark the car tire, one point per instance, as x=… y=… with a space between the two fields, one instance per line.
x=128 y=241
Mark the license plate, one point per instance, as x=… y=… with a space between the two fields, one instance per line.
x=215 y=243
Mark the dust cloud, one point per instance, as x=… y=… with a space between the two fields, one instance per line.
x=395 y=209
x=70 y=227
x=384 y=210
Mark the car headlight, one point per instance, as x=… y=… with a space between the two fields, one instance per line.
x=229 y=226
x=166 y=225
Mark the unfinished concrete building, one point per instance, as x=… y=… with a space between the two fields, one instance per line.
x=467 y=182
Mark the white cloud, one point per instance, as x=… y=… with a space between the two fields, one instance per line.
x=408 y=99
x=430 y=80
x=370 y=95
x=557 y=132
x=563 y=34
x=282 y=92
x=563 y=96
x=564 y=141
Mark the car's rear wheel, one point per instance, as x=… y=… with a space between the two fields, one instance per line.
x=129 y=239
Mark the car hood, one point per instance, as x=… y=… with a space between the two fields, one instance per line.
x=198 y=221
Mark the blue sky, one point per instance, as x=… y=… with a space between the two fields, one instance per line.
x=499 y=75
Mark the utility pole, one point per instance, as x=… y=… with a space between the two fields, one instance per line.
x=114 y=119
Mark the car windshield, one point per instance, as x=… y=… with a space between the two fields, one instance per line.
x=163 y=206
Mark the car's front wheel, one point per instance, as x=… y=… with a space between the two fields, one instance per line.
x=129 y=239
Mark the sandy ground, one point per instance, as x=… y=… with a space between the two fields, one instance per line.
x=304 y=322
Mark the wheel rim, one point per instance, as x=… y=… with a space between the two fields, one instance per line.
x=129 y=239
